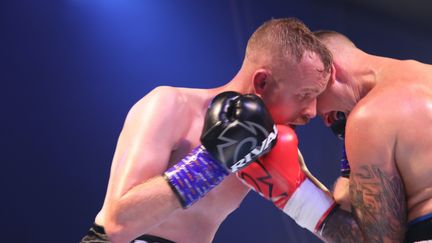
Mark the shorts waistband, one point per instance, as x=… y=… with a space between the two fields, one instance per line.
x=142 y=239
x=419 y=229
x=420 y=219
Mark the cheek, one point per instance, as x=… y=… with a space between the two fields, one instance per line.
x=290 y=103
x=287 y=108
x=321 y=107
x=278 y=111
x=323 y=104
x=282 y=106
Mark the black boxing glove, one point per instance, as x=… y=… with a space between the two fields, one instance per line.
x=237 y=130
x=338 y=128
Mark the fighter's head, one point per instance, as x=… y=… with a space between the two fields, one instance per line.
x=289 y=68
x=342 y=92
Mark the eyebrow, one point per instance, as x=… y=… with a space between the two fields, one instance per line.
x=311 y=90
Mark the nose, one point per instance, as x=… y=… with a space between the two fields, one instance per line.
x=310 y=110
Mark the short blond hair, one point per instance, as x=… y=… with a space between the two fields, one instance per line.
x=287 y=37
x=325 y=35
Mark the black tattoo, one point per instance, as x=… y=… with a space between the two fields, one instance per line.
x=378 y=206
x=341 y=227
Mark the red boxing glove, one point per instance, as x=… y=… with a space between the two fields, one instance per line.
x=282 y=177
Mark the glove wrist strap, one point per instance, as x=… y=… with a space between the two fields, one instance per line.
x=194 y=176
x=309 y=205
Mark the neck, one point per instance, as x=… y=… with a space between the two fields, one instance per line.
x=362 y=72
x=241 y=83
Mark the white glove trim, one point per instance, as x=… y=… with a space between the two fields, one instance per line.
x=308 y=205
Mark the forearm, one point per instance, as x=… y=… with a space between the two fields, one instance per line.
x=141 y=208
x=341 y=193
x=146 y=205
x=378 y=209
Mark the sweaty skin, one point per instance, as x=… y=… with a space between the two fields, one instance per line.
x=388 y=142
x=403 y=100
x=159 y=131
x=284 y=64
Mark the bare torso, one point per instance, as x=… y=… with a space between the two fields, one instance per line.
x=404 y=93
x=200 y=222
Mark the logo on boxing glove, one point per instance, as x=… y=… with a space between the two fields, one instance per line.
x=255 y=149
x=258 y=178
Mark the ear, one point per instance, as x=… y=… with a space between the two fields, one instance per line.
x=259 y=79
x=333 y=73
x=332 y=78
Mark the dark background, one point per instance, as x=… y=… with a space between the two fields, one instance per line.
x=71 y=69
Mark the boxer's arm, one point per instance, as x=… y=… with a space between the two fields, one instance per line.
x=341 y=186
x=138 y=197
x=376 y=189
x=376 y=194
x=341 y=193
x=233 y=117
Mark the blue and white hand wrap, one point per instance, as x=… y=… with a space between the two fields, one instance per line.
x=195 y=175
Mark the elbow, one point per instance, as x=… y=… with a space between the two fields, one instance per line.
x=115 y=232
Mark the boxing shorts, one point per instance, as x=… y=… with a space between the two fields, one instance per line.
x=96 y=234
x=420 y=229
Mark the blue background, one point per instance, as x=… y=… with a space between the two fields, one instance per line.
x=70 y=70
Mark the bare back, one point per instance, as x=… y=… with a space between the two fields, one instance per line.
x=401 y=106
x=184 y=111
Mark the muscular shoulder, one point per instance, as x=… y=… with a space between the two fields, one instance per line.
x=396 y=104
x=386 y=104
x=373 y=112
x=160 y=99
x=371 y=132
x=161 y=103
x=158 y=115
x=384 y=118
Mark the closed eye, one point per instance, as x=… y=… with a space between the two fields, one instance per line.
x=304 y=96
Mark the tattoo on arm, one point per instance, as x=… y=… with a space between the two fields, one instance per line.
x=379 y=209
x=378 y=200
x=341 y=227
